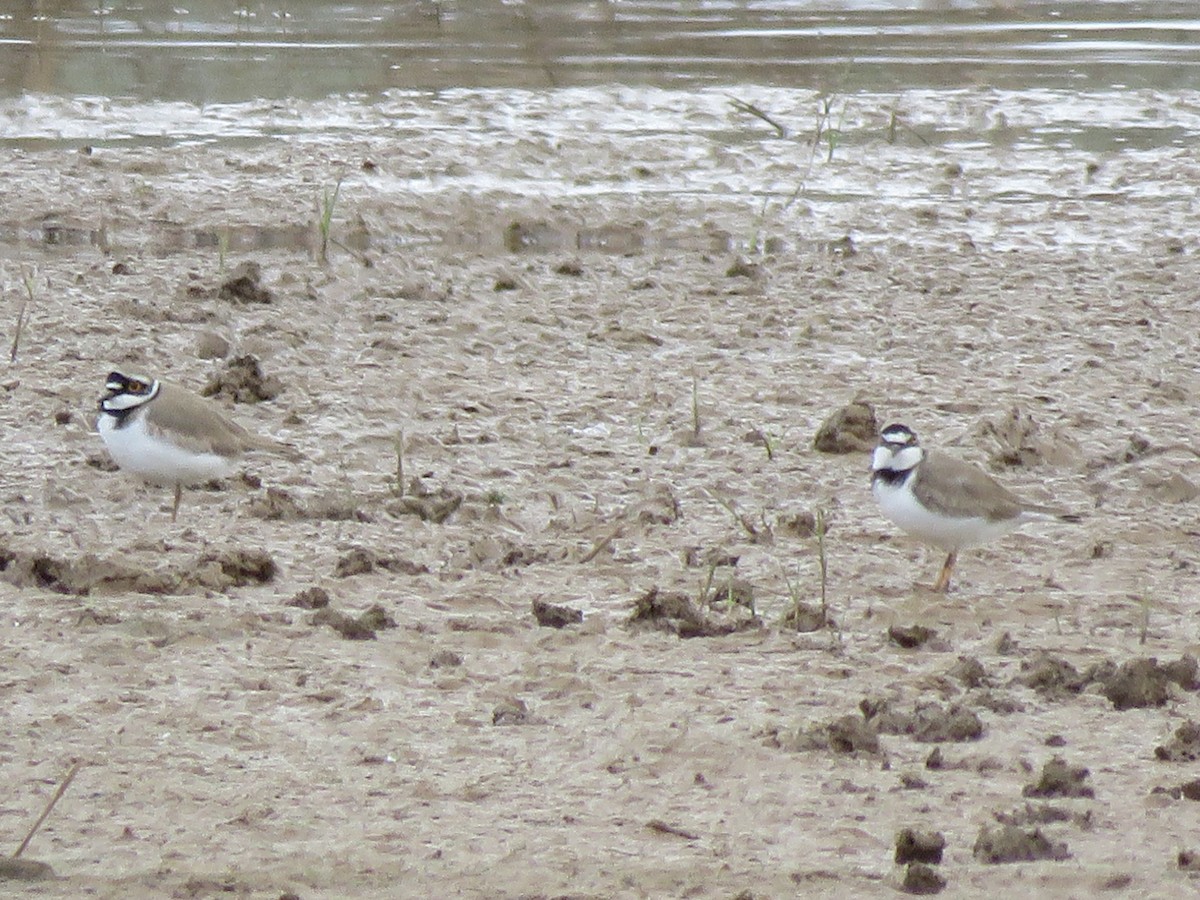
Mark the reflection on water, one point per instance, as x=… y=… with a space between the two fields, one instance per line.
x=214 y=50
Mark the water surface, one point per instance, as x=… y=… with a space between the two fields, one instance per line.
x=213 y=51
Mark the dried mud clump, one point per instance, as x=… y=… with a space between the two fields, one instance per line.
x=362 y=627
x=851 y=429
x=280 y=505
x=1138 y=683
x=1052 y=677
x=678 y=614
x=13 y=868
x=552 y=615
x=244 y=286
x=242 y=381
x=970 y=672
x=1020 y=442
x=922 y=879
x=928 y=722
x=310 y=598
x=242 y=567
x=1060 y=780
x=429 y=506
x=919 y=845
x=806 y=618
x=1009 y=843
x=445 y=659
x=515 y=712
x=847 y=734
x=360 y=560
x=1189 y=790
x=85 y=575
x=910 y=636
x=1184 y=745
x=1043 y=814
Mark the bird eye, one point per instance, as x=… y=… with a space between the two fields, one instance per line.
x=134 y=386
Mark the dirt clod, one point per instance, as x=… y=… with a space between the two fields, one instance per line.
x=512 y=712
x=436 y=506
x=920 y=878
x=445 y=659
x=930 y=722
x=919 y=845
x=1060 y=780
x=19 y=869
x=851 y=429
x=242 y=381
x=356 y=562
x=355 y=628
x=678 y=614
x=553 y=615
x=1138 y=683
x=1010 y=843
x=311 y=598
x=1052 y=676
x=847 y=734
x=1184 y=745
x=910 y=636
x=242 y=567
x=244 y=285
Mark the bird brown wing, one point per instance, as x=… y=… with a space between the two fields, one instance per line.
x=951 y=487
x=195 y=423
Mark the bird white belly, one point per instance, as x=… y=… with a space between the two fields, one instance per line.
x=156 y=460
x=898 y=504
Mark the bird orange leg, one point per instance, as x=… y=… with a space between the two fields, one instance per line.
x=943 y=582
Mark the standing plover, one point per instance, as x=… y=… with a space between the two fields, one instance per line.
x=168 y=436
x=944 y=501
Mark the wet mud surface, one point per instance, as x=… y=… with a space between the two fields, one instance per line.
x=539 y=611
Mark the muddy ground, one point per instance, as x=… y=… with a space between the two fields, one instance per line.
x=606 y=405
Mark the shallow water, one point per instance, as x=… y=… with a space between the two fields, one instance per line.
x=213 y=51
x=1030 y=123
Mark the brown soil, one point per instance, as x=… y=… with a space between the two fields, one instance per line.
x=507 y=421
